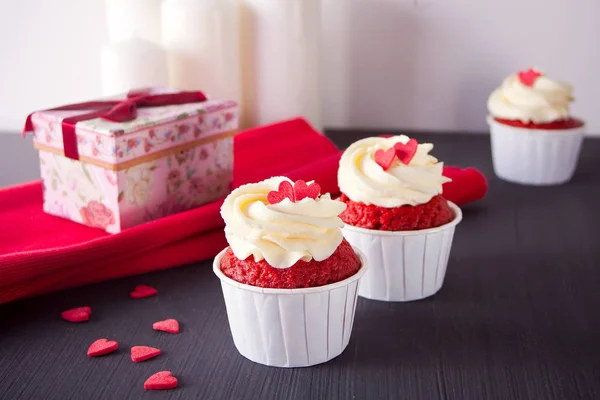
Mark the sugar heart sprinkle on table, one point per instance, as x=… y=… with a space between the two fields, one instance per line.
x=160 y=381
x=169 y=325
x=143 y=353
x=78 y=314
x=142 y=291
x=101 y=347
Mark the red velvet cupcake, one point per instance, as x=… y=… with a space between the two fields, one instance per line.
x=534 y=139
x=392 y=184
x=397 y=216
x=290 y=239
x=287 y=271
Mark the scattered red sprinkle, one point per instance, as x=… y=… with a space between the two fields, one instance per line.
x=143 y=353
x=78 y=314
x=101 y=347
x=168 y=325
x=160 y=381
x=406 y=152
x=142 y=291
x=385 y=158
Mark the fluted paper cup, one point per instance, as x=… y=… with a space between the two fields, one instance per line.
x=290 y=327
x=403 y=265
x=534 y=156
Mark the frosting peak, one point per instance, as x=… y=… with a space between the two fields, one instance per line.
x=281 y=233
x=362 y=179
x=530 y=96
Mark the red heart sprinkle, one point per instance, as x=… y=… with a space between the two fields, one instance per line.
x=302 y=190
x=406 y=152
x=528 y=77
x=385 y=158
x=142 y=291
x=160 y=381
x=143 y=353
x=78 y=314
x=101 y=347
x=286 y=190
x=168 y=325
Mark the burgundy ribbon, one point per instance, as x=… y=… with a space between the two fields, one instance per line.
x=116 y=111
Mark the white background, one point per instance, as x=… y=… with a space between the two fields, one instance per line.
x=403 y=64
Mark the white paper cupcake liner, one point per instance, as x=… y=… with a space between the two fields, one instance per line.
x=403 y=265
x=534 y=156
x=290 y=327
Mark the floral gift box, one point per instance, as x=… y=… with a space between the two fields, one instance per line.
x=169 y=153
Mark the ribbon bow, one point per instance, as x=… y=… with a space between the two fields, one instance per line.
x=115 y=111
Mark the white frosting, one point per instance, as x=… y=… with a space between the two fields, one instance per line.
x=281 y=233
x=363 y=180
x=546 y=101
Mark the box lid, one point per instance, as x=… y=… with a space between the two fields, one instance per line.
x=102 y=141
x=147 y=116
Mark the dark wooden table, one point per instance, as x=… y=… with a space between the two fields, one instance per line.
x=518 y=316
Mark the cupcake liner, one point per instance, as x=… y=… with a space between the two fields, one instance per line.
x=403 y=265
x=534 y=156
x=290 y=327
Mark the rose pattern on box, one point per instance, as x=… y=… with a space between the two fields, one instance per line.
x=97 y=215
x=194 y=177
x=113 y=201
x=79 y=192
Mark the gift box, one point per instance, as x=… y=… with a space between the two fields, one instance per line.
x=123 y=161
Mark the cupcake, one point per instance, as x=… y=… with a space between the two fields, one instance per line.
x=289 y=278
x=397 y=216
x=535 y=141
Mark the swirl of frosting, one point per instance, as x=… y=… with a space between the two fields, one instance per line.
x=544 y=101
x=363 y=180
x=281 y=233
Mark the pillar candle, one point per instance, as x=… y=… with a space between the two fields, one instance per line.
x=132 y=63
x=202 y=39
x=127 y=18
x=280 y=53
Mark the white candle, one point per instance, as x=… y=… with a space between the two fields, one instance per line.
x=128 y=18
x=131 y=64
x=202 y=39
x=281 y=60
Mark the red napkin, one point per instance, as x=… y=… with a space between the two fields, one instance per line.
x=467 y=185
x=40 y=253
